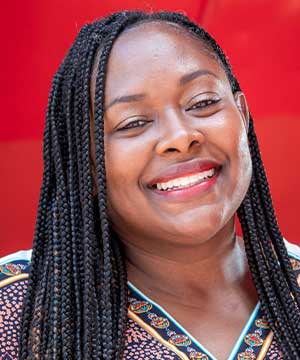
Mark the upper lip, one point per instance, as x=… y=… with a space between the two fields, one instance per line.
x=184 y=169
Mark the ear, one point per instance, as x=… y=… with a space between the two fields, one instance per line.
x=241 y=104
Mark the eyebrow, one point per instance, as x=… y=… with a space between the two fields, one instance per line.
x=126 y=99
x=182 y=81
x=195 y=74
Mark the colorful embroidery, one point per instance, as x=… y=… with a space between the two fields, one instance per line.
x=249 y=345
x=158 y=321
x=197 y=355
x=248 y=354
x=178 y=340
x=261 y=323
x=256 y=336
x=12 y=269
x=254 y=339
x=139 y=307
x=163 y=326
x=141 y=345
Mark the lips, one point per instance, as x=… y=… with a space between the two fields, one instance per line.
x=186 y=174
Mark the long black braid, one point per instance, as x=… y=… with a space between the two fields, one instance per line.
x=76 y=303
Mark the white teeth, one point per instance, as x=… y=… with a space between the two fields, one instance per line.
x=186 y=181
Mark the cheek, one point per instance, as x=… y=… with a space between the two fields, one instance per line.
x=244 y=170
x=235 y=144
x=124 y=162
x=228 y=140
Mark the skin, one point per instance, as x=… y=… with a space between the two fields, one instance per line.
x=182 y=254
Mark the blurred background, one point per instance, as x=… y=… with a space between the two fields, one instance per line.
x=261 y=39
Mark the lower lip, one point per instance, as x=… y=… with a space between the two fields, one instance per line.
x=188 y=192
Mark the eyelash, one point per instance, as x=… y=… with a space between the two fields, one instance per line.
x=207 y=103
x=130 y=126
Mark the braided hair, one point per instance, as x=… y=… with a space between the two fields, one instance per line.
x=76 y=303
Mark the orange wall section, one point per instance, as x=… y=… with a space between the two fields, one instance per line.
x=260 y=38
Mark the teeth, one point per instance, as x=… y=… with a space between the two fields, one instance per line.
x=158 y=186
x=186 y=181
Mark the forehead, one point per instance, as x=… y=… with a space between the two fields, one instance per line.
x=157 y=40
x=156 y=51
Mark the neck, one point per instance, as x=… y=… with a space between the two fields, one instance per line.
x=217 y=266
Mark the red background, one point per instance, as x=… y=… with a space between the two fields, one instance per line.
x=260 y=37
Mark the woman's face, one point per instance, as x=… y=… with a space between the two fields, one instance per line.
x=177 y=158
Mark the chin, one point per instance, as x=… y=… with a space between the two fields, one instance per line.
x=197 y=228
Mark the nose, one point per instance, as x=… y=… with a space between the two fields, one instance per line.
x=178 y=134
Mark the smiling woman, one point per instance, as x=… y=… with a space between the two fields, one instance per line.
x=149 y=153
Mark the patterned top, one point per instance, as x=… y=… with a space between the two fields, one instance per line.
x=152 y=333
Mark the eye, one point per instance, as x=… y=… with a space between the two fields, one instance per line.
x=138 y=123
x=203 y=104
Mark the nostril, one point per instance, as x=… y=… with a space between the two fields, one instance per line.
x=172 y=150
x=194 y=142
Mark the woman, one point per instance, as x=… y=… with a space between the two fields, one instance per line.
x=131 y=238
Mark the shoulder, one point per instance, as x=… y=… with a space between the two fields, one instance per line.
x=293 y=250
x=14 y=272
x=294 y=255
x=19 y=255
x=14 y=267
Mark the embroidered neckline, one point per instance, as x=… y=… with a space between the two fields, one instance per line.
x=252 y=344
x=158 y=322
